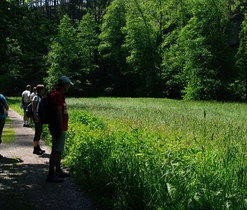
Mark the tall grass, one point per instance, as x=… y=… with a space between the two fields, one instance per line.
x=159 y=153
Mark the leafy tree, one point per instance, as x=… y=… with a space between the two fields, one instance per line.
x=147 y=47
x=208 y=67
x=178 y=14
x=21 y=31
x=143 y=42
x=63 y=53
x=9 y=30
x=11 y=67
x=97 y=8
x=87 y=44
x=113 y=56
x=173 y=78
x=13 y=64
x=37 y=32
x=241 y=56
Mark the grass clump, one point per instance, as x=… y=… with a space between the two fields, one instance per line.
x=8 y=135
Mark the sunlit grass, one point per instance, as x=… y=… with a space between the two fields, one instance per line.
x=8 y=135
x=182 y=155
x=194 y=120
x=14 y=103
x=145 y=153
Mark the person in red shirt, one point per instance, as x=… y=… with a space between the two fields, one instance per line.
x=58 y=128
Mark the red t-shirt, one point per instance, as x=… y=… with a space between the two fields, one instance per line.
x=58 y=99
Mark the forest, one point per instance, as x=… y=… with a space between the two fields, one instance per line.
x=179 y=49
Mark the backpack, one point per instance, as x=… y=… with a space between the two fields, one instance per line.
x=29 y=110
x=48 y=109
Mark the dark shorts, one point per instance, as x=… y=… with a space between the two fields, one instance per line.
x=58 y=140
x=25 y=106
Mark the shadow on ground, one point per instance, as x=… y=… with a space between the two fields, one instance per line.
x=15 y=188
x=23 y=175
x=23 y=185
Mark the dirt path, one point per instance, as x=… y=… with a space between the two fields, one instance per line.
x=23 y=177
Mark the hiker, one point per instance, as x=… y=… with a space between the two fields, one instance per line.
x=4 y=108
x=34 y=93
x=37 y=108
x=58 y=127
x=25 y=99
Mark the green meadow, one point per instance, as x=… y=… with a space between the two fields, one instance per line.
x=146 y=153
x=8 y=135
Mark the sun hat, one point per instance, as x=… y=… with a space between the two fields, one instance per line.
x=40 y=86
x=65 y=80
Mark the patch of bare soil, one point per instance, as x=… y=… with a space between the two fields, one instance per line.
x=23 y=175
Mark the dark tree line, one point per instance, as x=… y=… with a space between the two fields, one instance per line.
x=191 y=49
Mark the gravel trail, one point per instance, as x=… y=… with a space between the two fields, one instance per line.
x=23 y=176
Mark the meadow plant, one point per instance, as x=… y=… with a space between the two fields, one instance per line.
x=159 y=153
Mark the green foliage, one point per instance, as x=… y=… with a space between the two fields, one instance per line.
x=158 y=153
x=241 y=57
x=142 y=43
x=112 y=54
x=207 y=77
x=162 y=48
x=62 y=54
x=87 y=44
x=97 y=8
x=173 y=63
x=12 y=66
x=111 y=35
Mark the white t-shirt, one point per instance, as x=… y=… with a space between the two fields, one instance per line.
x=26 y=96
x=32 y=95
x=38 y=100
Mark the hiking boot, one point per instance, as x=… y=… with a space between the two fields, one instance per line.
x=62 y=174
x=26 y=125
x=41 y=149
x=53 y=178
x=37 y=151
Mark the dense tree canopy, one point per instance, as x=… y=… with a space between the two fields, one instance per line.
x=191 y=49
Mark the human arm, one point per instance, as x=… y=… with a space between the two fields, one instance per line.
x=6 y=108
x=29 y=96
x=22 y=98
x=35 y=117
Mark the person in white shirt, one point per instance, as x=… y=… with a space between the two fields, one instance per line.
x=25 y=98
x=34 y=93
x=37 y=108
